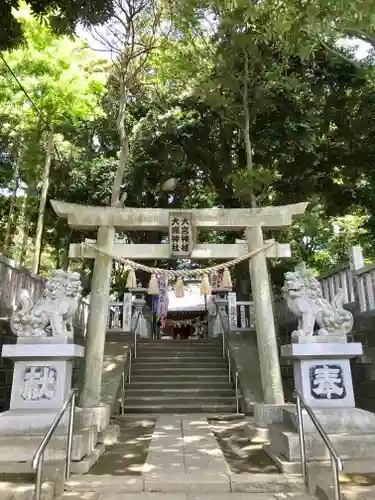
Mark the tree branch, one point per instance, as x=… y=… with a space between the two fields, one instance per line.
x=357 y=33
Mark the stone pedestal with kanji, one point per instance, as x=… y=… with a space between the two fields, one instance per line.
x=42 y=380
x=322 y=371
x=322 y=375
x=321 y=357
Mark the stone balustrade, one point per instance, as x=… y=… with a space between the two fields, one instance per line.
x=14 y=279
x=245 y=317
x=115 y=316
x=357 y=285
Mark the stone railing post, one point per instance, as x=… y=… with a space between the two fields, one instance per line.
x=357 y=261
x=221 y=320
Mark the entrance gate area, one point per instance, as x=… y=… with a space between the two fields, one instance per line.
x=236 y=316
x=181 y=226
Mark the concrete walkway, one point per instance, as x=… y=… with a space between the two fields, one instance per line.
x=185 y=462
x=184 y=446
x=185 y=496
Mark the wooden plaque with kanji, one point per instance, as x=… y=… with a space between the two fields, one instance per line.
x=181 y=234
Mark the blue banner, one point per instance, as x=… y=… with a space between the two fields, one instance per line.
x=155 y=304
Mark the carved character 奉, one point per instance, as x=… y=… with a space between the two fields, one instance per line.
x=53 y=314
x=304 y=298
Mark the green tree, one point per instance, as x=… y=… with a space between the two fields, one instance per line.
x=64 y=15
x=64 y=81
x=130 y=35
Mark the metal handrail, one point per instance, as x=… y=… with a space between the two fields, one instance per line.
x=336 y=462
x=235 y=379
x=37 y=463
x=227 y=354
x=124 y=378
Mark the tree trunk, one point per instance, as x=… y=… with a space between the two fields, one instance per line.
x=23 y=233
x=246 y=128
x=42 y=203
x=124 y=145
x=8 y=231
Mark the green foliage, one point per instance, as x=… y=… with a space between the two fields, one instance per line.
x=64 y=81
x=311 y=124
x=64 y=15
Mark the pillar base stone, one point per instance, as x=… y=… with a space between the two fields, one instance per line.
x=97 y=416
x=352 y=421
x=268 y=414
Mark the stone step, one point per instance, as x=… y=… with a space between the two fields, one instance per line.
x=180 y=353
x=191 y=496
x=179 y=341
x=168 y=351
x=208 y=370
x=178 y=401
x=23 y=473
x=180 y=361
x=20 y=490
x=348 y=492
x=181 y=344
x=53 y=470
x=357 y=478
x=192 y=378
x=180 y=365
x=175 y=393
x=220 y=409
x=183 y=348
x=180 y=348
x=348 y=446
x=181 y=384
x=197 y=486
x=24 y=447
x=177 y=355
x=174 y=347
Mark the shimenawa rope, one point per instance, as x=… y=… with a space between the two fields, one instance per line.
x=172 y=273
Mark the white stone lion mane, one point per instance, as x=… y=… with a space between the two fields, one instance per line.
x=303 y=295
x=53 y=314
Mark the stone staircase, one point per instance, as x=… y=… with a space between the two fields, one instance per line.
x=179 y=376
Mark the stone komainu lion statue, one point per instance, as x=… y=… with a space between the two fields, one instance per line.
x=303 y=295
x=52 y=315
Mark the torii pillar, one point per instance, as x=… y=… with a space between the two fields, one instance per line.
x=264 y=320
x=97 y=320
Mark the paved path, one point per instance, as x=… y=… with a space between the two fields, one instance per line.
x=184 y=446
x=185 y=496
x=185 y=462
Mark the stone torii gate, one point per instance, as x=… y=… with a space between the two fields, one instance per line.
x=106 y=219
